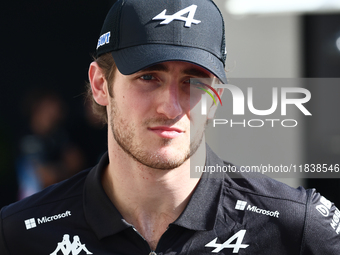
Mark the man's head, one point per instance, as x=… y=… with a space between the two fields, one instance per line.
x=154 y=47
x=143 y=33
x=139 y=34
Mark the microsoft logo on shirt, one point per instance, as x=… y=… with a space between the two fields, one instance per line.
x=30 y=223
x=240 y=205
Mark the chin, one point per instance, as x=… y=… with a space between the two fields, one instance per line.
x=164 y=158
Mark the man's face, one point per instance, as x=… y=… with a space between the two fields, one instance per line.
x=151 y=116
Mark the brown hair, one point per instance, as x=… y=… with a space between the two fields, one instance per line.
x=108 y=66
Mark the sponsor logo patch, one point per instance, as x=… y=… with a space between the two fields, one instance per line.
x=67 y=248
x=324 y=209
x=180 y=15
x=241 y=206
x=104 y=39
x=32 y=223
x=234 y=242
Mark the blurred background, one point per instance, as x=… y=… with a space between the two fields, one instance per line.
x=48 y=133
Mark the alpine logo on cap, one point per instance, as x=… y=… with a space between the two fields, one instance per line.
x=191 y=10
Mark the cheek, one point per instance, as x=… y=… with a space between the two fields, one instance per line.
x=197 y=119
x=200 y=106
x=132 y=103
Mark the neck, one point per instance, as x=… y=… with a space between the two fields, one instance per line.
x=150 y=199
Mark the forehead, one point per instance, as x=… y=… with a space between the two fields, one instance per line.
x=179 y=66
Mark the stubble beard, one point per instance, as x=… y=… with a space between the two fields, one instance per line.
x=124 y=134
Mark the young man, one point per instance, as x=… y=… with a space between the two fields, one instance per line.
x=140 y=198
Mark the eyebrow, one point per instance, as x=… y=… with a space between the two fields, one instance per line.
x=189 y=71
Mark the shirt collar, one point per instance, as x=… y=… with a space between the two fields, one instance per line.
x=199 y=214
x=100 y=213
x=201 y=211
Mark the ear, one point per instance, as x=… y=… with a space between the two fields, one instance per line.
x=98 y=84
x=213 y=108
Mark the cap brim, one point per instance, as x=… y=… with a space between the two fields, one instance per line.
x=133 y=59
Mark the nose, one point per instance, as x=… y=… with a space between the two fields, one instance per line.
x=170 y=104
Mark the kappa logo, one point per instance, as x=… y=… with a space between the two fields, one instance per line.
x=236 y=246
x=67 y=248
x=191 y=10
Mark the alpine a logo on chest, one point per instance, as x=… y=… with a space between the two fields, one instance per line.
x=191 y=10
x=234 y=242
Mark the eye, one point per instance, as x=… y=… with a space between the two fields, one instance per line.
x=197 y=83
x=147 y=82
x=147 y=77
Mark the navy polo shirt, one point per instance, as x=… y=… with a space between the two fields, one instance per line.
x=244 y=214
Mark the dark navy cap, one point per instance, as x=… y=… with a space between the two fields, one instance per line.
x=141 y=33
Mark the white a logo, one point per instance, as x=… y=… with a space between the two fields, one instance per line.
x=230 y=243
x=191 y=10
x=68 y=248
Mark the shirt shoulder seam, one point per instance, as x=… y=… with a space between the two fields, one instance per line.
x=40 y=204
x=267 y=196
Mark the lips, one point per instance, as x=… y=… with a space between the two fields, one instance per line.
x=167 y=132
